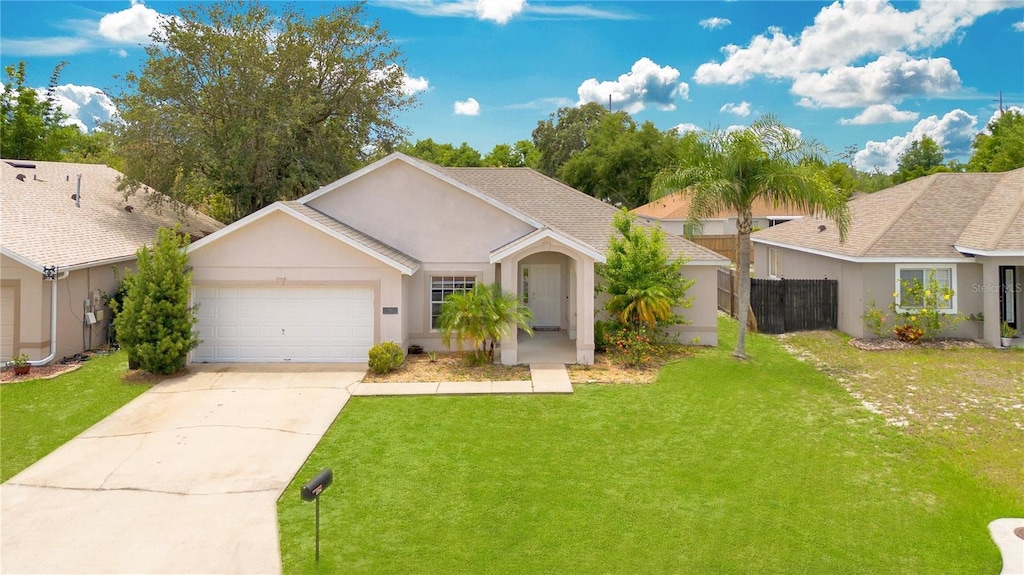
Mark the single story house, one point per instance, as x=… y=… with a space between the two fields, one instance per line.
x=63 y=229
x=371 y=257
x=966 y=229
x=672 y=212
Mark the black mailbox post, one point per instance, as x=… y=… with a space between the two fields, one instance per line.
x=311 y=492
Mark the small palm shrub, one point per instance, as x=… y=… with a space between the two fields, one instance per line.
x=482 y=316
x=385 y=357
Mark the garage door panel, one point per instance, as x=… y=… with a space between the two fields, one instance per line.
x=272 y=324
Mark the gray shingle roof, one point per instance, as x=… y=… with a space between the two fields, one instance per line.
x=355 y=235
x=39 y=220
x=560 y=207
x=922 y=218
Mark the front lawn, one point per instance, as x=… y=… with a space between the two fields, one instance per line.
x=968 y=403
x=38 y=416
x=720 y=466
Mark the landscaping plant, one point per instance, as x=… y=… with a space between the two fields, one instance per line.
x=155 y=321
x=919 y=315
x=483 y=316
x=385 y=357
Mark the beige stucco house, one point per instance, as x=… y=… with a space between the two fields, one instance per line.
x=371 y=257
x=64 y=228
x=965 y=228
x=672 y=213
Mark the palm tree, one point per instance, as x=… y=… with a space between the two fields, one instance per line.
x=640 y=305
x=731 y=169
x=482 y=316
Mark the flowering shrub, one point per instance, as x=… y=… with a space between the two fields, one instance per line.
x=632 y=347
x=918 y=317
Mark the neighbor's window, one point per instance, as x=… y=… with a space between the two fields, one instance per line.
x=906 y=276
x=443 y=286
x=774 y=263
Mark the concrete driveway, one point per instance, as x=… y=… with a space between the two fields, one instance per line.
x=184 y=479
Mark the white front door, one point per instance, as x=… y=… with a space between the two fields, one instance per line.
x=542 y=284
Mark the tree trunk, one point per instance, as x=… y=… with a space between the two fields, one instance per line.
x=743 y=229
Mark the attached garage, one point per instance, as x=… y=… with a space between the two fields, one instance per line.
x=279 y=324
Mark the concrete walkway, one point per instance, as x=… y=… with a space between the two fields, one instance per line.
x=544 y=378
x=1008 y=533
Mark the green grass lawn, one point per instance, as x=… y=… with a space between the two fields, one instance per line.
x=720 y=466
x=38 y=416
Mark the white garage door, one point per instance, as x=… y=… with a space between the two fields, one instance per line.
x=274 y=324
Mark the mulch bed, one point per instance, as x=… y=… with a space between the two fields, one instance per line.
x=885 y=344
x=47 y=371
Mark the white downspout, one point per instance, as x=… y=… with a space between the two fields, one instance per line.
x=53 y=323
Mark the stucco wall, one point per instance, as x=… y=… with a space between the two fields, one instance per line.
x=421 y=215
x=280 y=250
x=417 y=298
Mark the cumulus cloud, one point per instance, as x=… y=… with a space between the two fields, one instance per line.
x=686 y=128
x=410 y=85
x=500 y=11
x=891 y=78
x=954 y=132
x=741 y=109
x=819 y=59
x=131 y=25
x=86 y=106
x=645 y=84
x=879 y=114
x=1019 y=26
x=715 y=23
x=468 y=108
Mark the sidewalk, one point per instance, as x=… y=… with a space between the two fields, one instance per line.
x=544 y=378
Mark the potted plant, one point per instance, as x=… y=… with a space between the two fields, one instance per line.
x=1006 y=333
x=20 y=364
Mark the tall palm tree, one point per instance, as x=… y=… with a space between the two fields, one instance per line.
x=729 y=170
x=482 y=316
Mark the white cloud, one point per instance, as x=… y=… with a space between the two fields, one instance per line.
x=880 y=114
x=954 y=132
x=131 y=25
x=45 y=46
x=410 y=85
x=715 y=23
x=686 y=128
x=820 y=58
x=120 y=52
x=500 y=11
x=86 y=106
x=741 y=109
x=1019 y=26
x=996 y=115
x=891 y=78
x=468 y=108
x=645 y=83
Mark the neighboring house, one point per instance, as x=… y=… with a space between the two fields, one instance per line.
x=672 y=211
x=966 y=228
x=371 y=257
x=58 y=252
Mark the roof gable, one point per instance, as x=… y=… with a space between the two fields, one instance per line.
x=677 y=207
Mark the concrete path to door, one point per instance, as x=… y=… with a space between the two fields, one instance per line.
x=183 y=479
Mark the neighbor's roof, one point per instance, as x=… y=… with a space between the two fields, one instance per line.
x=939 y=216
x=563 y=209
x=677 y=207
x=40 y=223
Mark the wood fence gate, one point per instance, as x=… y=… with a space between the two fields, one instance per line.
x=782 y=306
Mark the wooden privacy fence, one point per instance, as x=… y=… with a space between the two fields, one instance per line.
x=727 y=245
x=782 y=306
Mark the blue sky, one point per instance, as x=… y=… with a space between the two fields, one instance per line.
x=871 y=74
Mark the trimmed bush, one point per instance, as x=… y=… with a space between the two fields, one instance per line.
x=385 y=357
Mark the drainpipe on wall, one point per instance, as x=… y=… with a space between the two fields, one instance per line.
x=53 y=319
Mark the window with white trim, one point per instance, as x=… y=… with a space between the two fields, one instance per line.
x=906 y=276
x=774 y=263
x=442 y=287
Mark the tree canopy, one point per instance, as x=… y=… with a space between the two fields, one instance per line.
x=31 y=127
x=564 y=133
x=729 y=170
x=1002 y=148
x=235 y=105
x=464 y=156
x=922 y=158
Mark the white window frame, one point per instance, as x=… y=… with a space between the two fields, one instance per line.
x=926 y=271
x=774 y=263
x=454 y=277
